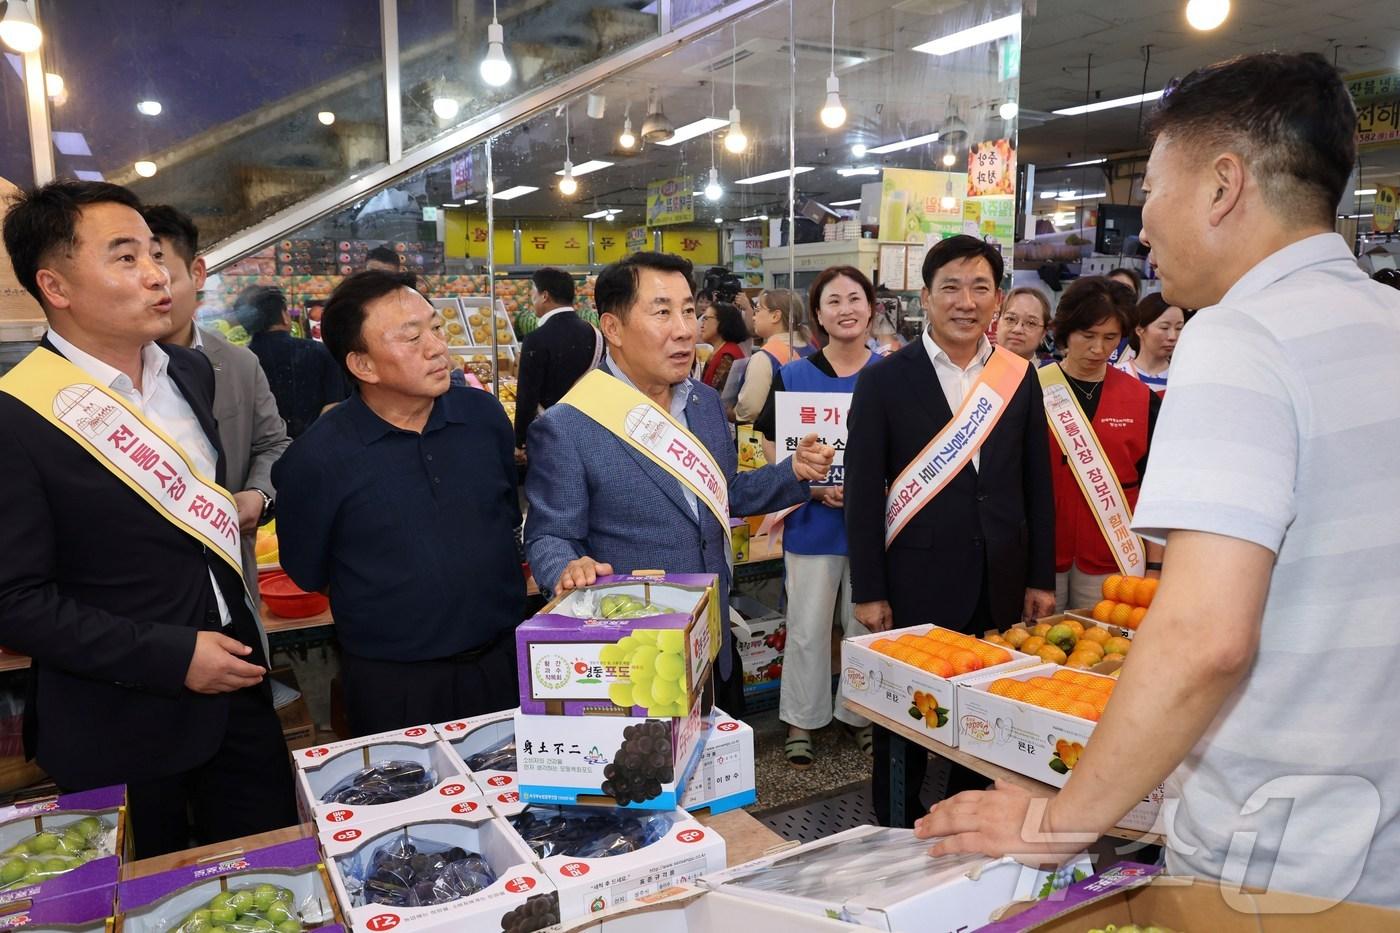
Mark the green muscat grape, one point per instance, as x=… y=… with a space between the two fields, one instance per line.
x=278 y=913
x=13 y=870
x=44 y=843
x=242 y=901
x=664 y=692
x=289 y=926
x=645 y=635
x=196 y=925
x=611 y=655
x=621 y=694
x=670 y=639
x=670 y=666
x=263 y=896
x=222 y=915
x=627 y=644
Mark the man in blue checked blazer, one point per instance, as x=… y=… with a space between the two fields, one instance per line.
x=599 y=506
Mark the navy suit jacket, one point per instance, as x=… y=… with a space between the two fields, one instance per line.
x=592 y=494
x=107 y=597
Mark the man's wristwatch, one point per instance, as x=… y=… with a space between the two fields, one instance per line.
x=1154 y=565
x=267 y=505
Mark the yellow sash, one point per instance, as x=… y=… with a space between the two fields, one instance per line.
x=952 y=448
x=1092 y=470
x=132 y=449
x=635 y=420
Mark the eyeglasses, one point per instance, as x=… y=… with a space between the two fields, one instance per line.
x=1011 y=322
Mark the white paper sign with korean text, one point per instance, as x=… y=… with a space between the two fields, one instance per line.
x=824 y=414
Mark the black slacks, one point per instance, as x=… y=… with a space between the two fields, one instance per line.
x=245 y=788
x=960 y=778
x=384 y=696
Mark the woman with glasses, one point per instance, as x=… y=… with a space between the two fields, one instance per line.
x=722 y=327
x=1021 y=325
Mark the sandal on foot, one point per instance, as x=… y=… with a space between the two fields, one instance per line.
x=798 y=750
x=863 y=739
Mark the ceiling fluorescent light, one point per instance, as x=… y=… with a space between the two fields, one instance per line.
x=1109 y=104
x=692 y=130
x=867 y=170
x=597 y=214
x=770 y=176
x=1362 y=192
x=744 y=220
x=977 y=35
x=904 y=144
x=590 y=166
x=1081 y=164
x=845 y=203
x=469 y=202
x=1084 y=197
x=511 y=194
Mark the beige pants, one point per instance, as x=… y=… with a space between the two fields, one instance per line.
x=1076 y=589
x=817 y=584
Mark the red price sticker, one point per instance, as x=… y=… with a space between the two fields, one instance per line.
x=318 y=753
x=518 y=885
x=574 y=870
x=414 y=733
x=500 y=780
x=466 y=807
x=512 y=797
x=346 y=835
x=339 y=816
x=454 y=727
x=689 y=835
x=382 y=922
x=727 y=726
x=452 y=790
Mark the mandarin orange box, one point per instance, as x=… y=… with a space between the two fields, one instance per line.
x=921 y=700
x=1033 y=740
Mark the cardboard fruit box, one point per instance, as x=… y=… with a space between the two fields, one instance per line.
x=682 y=851
x=723 y=779
x=284 y=885
x=1040 y=743
x=321 y=769
x=90 y=911
x=760 y=634
x=918 y=698
x=608 y=760
x=581 y=656
x=519 y=885
x=1129 y=893
x=486 y=745
x=57 y=846
x=692 y=909
x=884 y=879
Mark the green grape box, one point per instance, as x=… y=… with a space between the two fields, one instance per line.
x=57 y=846
x=631 y=645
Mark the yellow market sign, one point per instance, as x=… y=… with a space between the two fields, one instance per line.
x=1374 y=84
x=609 y=244
x=670 y=201
x=473 y=232
x=554 y=244
x=700 y=246
x=1383 y=213
x=1378 y=121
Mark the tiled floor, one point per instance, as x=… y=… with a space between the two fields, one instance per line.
x=838 y=765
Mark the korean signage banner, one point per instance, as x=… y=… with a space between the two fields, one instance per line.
x=461 y=175
x=701 y=247
x=554 y=244
x=636 y=239
x=797 y=414
x=609 y=244
x=912 y=205
x=1374 y=84
x=1378 y=121
x=670 y=201
x=991 y=168
x=1383 y=213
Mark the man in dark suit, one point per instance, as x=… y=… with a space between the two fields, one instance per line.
x=619 y=511
x=980 y=554
x=556 y=353
x=148 y=669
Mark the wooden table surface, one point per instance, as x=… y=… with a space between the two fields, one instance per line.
x=989 y=770
x=745 y=839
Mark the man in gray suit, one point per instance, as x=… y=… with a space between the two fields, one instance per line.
x=253 y=434
x=600 y=505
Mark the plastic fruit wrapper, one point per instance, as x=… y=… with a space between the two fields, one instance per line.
x=56 y=846
x=451 y=866
x=609 y=760
x=277 y=889
x=601 y=857
x=377 y=776
x=640 y=643
x=884 y=878
x=486 y=746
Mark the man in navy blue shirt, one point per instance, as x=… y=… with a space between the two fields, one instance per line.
x=402 y=502
x=303 y=377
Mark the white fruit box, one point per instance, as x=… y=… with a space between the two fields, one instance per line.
x=691 y=909
x=580 y=759
x=481 y=738
x=1032 y=740
x=884 y=879
x=321 y=768
x=685 y=852
x=350 y=853
x=891 y=688
x=723 y=780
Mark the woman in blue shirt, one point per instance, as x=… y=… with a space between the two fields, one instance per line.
x=814 y=537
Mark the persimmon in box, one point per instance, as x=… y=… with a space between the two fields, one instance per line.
x=910 y=674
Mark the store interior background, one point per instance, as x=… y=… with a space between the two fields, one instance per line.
x=299 y=134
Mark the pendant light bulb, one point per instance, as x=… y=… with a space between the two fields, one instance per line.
x=495 y=67
x=833 y=114
x=568 y=187
x=445 y=107
x=627 y=140
x=713 y=190
x=1205 y=15
x=735 y=141
x=18 y=30
x=950 y=158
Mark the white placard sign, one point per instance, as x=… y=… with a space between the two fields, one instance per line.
x=798 y=414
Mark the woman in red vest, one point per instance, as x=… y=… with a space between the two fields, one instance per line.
x=1091 y=319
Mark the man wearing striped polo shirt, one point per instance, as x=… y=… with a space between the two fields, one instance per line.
x=1261 y=684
